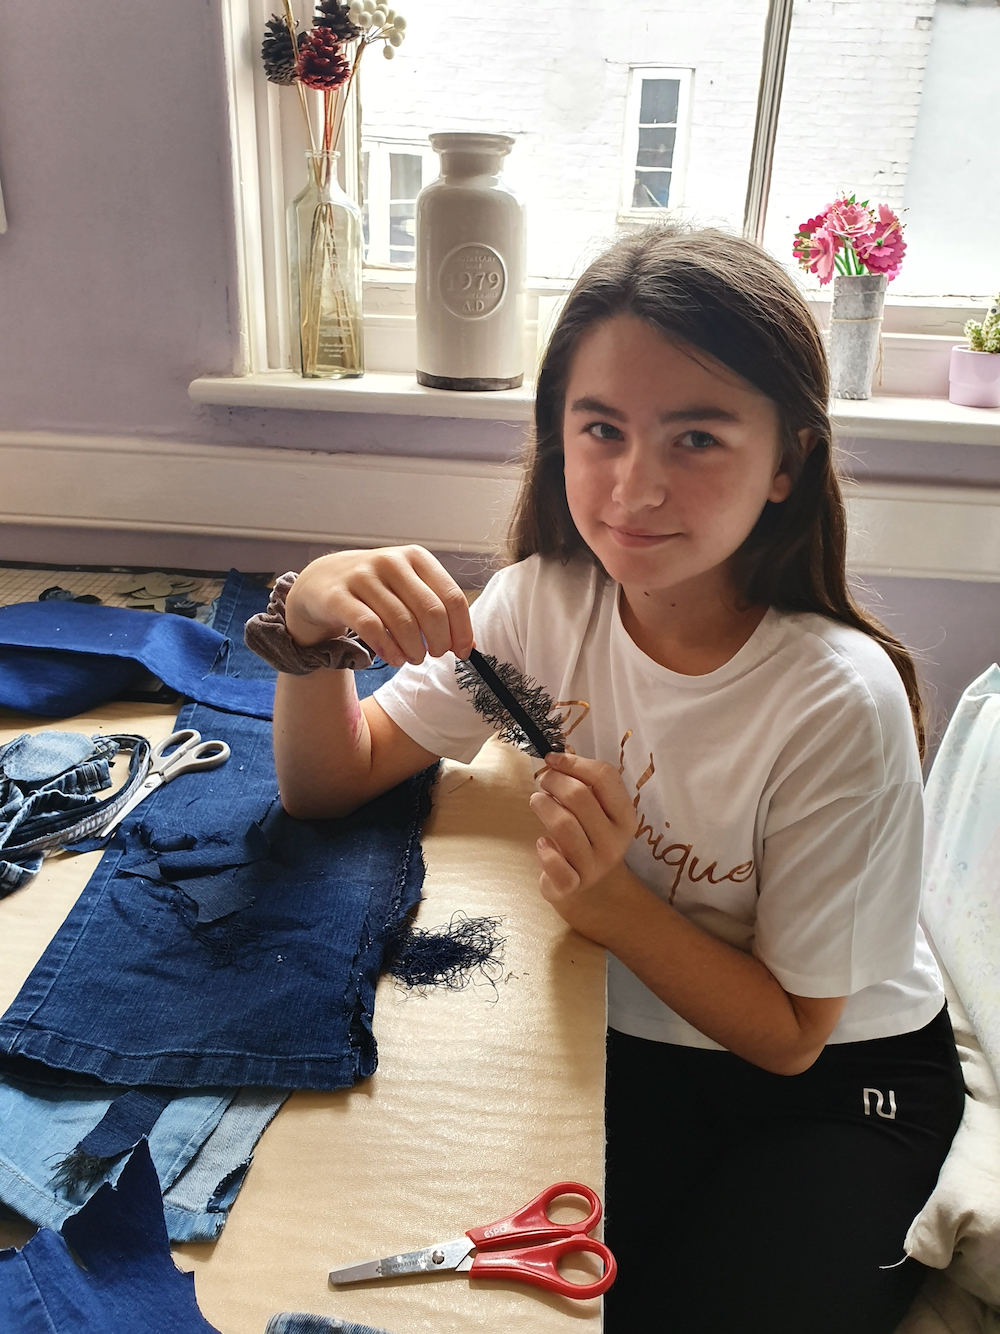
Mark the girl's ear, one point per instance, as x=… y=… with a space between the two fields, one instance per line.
x=781 y=482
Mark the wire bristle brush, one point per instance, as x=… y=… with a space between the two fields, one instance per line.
x=517 y=707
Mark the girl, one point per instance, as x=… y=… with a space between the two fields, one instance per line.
x=741 y=823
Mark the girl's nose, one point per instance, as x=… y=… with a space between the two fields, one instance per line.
x=640 y=482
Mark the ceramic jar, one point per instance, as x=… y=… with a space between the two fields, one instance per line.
x=974 y=378
x=470 y=240
x=855 y=330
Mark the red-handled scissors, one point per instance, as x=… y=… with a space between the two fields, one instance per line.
x=526 y=1246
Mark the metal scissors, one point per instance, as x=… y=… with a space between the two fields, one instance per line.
x=188 y=753
x=526 y=1246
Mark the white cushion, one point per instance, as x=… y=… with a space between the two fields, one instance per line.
x=961 y=891
x=958 y=1229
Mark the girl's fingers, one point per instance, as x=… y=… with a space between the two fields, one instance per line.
x=455 y=605
x=567 y=833
x=385 y=624
x=558 y=877
x=578 y=798
x=421 y=605
x=603 y=781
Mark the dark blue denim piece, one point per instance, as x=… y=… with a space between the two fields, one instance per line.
x=128 y=1284
x=149 y=981
x=62 y=658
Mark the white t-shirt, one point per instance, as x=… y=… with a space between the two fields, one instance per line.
x=778 y=799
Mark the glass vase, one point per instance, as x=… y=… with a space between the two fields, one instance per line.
x=324 y=262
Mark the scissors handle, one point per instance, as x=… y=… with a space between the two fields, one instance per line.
x=187 y=753
x=531 y=1223
x=538 y=1265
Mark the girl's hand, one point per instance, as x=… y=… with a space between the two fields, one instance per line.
x=590 y=823
x=400 y=600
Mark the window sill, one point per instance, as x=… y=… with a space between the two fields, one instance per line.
x=883 y=417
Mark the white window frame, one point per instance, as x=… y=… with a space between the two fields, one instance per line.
x=678 y=169
x=379 y=149
x=267 y=142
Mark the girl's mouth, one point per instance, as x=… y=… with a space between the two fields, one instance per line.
x=630 y=537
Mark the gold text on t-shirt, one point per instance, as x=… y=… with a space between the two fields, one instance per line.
x=679 y=856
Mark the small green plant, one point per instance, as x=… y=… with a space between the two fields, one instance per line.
x=985 y=337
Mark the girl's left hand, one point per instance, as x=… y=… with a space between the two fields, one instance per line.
x=589 y=820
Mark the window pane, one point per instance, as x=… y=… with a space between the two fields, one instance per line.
x=659 y=101
x=652 y=189
x=365 y=167
x=464 y=67
x=656 y=148
x=879 y=100
x=405 y=171
x=402 y=216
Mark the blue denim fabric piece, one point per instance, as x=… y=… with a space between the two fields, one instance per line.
x=61 y=658
x=201 y=1144
x=301 y=1322
x=129 y=1283
x=141 y=986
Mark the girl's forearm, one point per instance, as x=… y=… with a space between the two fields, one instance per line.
x=729 y=996
x=322 y=746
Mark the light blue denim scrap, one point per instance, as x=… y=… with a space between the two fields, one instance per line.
x=301 y=1322
x=37 y=758
x=42 y=778
x=201 y=1145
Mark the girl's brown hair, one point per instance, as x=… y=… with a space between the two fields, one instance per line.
x=727 y=297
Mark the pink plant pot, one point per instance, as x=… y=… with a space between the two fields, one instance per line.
x=974 y=378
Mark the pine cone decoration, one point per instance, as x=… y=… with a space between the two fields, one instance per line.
x=333 y=14
x=322 y=63
x=278 y=52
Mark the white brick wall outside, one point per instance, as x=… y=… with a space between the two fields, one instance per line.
x=556 y=76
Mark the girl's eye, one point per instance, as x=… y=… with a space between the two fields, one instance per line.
x=699 y=441
x=603 y=431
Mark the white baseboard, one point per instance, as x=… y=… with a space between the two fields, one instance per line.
x=172 y=487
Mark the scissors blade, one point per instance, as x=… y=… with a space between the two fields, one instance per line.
x=145 y=789
x=447 y=1255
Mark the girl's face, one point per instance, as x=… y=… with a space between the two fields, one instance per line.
x=669 y=457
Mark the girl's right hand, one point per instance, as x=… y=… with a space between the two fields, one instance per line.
x=399 y=600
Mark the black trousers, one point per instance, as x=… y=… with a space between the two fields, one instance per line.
x=738 y=1200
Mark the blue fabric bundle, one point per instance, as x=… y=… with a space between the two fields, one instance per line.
x=58 y=659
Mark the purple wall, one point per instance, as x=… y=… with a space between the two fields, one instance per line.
x=117 y=289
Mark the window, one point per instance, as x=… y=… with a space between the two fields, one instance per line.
x=882 y=97
x=392 y=175
x=652 y=110
x=656 y=121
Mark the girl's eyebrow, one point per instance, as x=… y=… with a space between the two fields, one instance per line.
x=595 y=405
x=696 y=414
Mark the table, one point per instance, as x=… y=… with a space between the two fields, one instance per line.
x=482 y=1096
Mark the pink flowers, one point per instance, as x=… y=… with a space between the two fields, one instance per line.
x=848 y=237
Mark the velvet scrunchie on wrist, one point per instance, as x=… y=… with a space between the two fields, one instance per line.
x=266 y=634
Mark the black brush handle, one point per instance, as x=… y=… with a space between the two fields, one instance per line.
x=512 y=704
